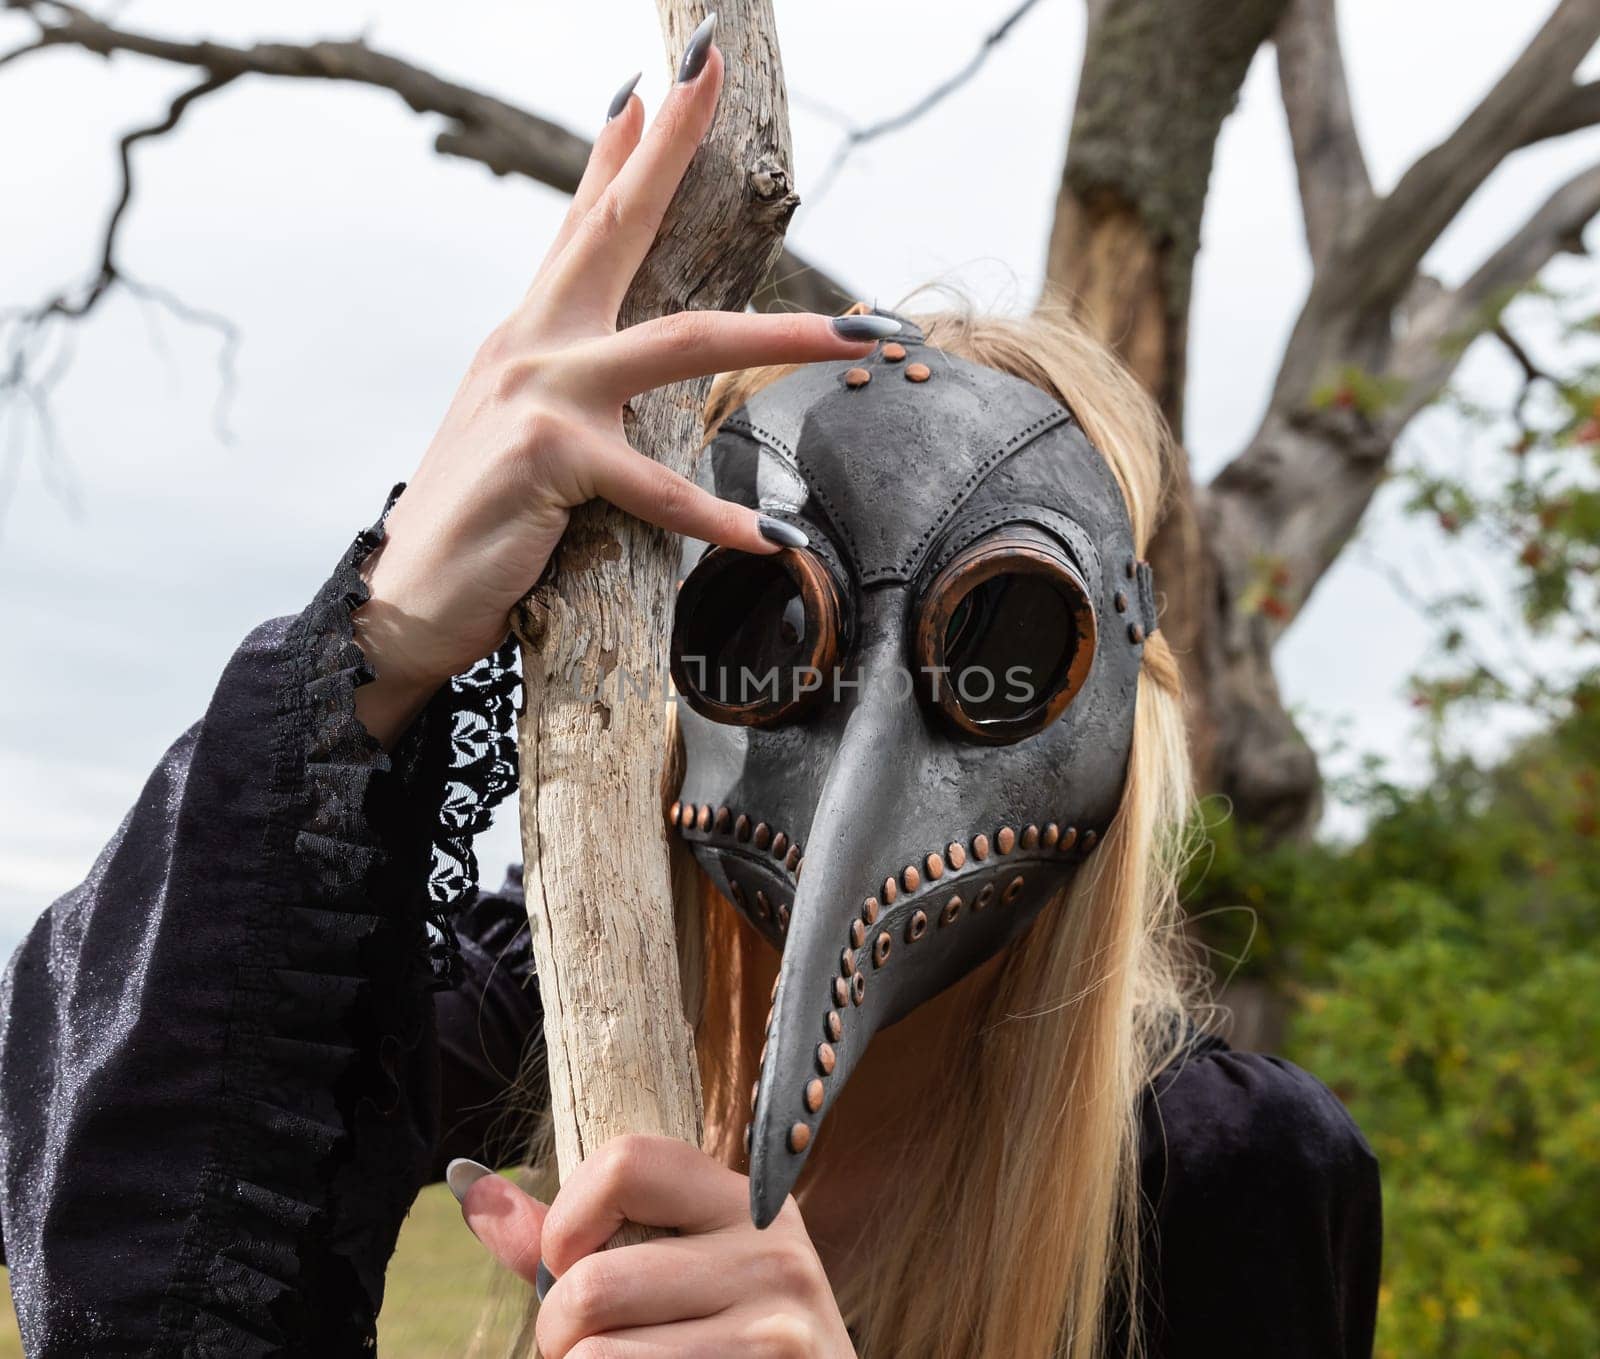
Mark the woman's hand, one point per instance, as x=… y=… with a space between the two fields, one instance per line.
x=536 y=426
x=719 y=1287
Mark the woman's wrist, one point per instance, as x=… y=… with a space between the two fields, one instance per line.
x=390 y=702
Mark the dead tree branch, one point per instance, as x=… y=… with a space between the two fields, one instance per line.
x=857 y=137
x=1383 y=256
x=497 y=134
x=1577 y=109
x=1334 y=184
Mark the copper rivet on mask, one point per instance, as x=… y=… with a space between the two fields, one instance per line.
x=1013 y=891
x=780 y=845
x=917 y=926
x=911 y=878
x=833 y=1025
x=814 y=1094
x=847 y=961
x=894 y=352
x=1051 y=834
x=763 y=835
x=1030 y=838
x=869 y=910
x=755 y=1089
x=980 y=847
x=918 y=372
x=749 y=1134
x=935 y=867
x=857 y=377
x=672 y=816
x=955 y=854
x=825 y=1058
x=741 y=827
x=762 y=908
x=841 y=990
x=858 y=988
x=783 y=916
x=985 y=898
x=891 y=890
x=952 y=909
x=1089 y=838
x=686 y=817
x=880 y=949
x=1121 y=601
x=1135 y=633
x=1069 y=838
x=722 y=820
x=704 y=822
x=858 y=933
x=1005 y=839
x=792 y=862
x=1129 y=567
x=799 y=1137
x=737 y=893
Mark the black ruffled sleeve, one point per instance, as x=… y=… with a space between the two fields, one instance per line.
x=219 y=1075
x=1264 y=1222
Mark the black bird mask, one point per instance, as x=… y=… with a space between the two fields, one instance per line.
x=904 y=739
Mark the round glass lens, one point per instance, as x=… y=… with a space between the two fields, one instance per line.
x=1008 y=646
x=743 y=636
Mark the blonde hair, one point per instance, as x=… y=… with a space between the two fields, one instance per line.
x=1017 y=1233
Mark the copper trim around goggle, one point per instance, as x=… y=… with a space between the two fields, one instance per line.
x=1016 y=551
x=819 y=597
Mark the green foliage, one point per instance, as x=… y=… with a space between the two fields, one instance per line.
x=1447 y=986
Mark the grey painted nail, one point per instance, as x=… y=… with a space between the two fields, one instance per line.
x=543 y=1280
x=865 y=327
x=619 y=100
x=461 y=1174
x=697 y=49
x=784 y=535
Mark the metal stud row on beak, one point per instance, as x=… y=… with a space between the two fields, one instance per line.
x=850 y=986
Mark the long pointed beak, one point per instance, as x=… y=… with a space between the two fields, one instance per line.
x=826 y=1007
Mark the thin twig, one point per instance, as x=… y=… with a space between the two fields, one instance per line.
x=856 y=137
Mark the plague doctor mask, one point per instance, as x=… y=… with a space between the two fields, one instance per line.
x=905 y=738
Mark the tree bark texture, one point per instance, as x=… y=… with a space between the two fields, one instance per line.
x=1375 y=342
x=593 y=736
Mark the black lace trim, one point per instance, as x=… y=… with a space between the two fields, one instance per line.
x=482 y=770
x=464 y=744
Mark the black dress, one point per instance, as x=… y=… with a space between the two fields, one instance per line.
x=277 y=1006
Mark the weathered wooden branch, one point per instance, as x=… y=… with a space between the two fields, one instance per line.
x=1577 y=109
x=593 y=737
x=1334 y=184
x=1431 y=343
x=1380 y=259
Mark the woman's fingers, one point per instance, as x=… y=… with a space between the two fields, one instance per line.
x=507 y=1221
x=608 y=245
x=612 y=147
x=654 y=1181
x=658 y=495
x=675 y=1278
x=698 y=343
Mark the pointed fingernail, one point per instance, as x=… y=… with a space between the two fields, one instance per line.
x=784 y=535
x=543 y=1280
x=697 y=49
x=461 y=1174
x=865 y=327
x=619 y=100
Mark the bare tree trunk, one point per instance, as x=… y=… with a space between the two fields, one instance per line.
x=593 y=737
x=1159 y=77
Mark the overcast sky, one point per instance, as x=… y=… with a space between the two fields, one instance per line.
x=362 y=269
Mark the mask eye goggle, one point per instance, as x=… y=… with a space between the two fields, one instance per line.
x=754 y=638
x=1005 y=635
